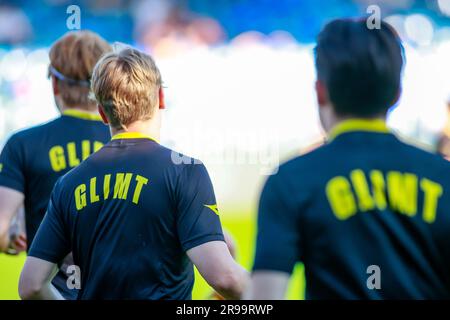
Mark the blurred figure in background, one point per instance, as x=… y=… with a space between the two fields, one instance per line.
x=366 y=213
x=167 y=28
x=15 y=26
x=33 y=159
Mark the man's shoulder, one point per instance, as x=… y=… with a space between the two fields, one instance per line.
x=301 y=172
x=181 y=166
x=308 y=161
x=28 y=135
x=41 y=127
x=420 y=152
x=428 y=161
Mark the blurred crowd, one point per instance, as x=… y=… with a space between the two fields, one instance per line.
x=185 y=23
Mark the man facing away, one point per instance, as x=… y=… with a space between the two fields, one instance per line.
x=367 y=214
x=33 y=159
x=134 y=218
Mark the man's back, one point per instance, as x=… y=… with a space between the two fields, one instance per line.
x=34 y=159
x=363 y=201
x=131 y=214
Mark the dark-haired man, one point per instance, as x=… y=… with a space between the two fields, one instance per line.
x=366 y=213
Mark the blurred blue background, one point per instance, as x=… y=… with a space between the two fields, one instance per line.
x=39 y=22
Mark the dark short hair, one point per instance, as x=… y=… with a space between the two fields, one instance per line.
x=360 y=67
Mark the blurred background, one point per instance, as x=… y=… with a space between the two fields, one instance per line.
x=239 y=78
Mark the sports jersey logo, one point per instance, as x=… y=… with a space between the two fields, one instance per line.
x=396 y=190
x=93 y=191
x=63 y=157
x=213 y=207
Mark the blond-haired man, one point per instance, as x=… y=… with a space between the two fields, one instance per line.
x=135 y=219
x=33 y=159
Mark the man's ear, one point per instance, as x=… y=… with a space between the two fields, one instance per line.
x=322 y=93
x=102 y=114
x=162 y=102
x=55 y=86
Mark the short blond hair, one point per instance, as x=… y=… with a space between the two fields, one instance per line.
x=126 y=84
x=74 y=56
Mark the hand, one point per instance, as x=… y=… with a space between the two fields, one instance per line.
x=215 y=296
x=17 y=244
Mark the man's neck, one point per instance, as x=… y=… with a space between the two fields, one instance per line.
x=62 y=109
x=335 y=121
x=149 y=128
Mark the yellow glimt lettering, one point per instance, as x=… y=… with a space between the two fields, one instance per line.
x=402 y=189
x=140 y=182
x=378 y=189
x=341 y=198
x=72 y=154
x=432 y=192
x=80 y=197
x=93 y=190
x=122 y=185
x=106 y=182
x=97 y=146
x=57 y=159
x=365 y=201
x=85 y=149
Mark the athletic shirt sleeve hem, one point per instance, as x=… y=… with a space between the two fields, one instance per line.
x=43 y=255
x=202 y=240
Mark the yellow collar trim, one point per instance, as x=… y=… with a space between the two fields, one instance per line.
x=132 y=135
x=82 y=115
x=366 y=125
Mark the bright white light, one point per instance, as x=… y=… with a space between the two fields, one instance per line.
x=444 y=6
x=13 y=65
x=397 y=22
x=419 y=29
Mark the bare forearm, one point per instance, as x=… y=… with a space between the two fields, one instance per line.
x=47 y=292
x=10 y=202
x=35 y=280
x=4 y=235
x=215 y=263
x=232 y=286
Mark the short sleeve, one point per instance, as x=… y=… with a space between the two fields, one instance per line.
x=278 y=239
x=12 y=165
x=52 y=241
x=198 y=219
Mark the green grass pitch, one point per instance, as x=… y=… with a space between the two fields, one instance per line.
x=242 y=229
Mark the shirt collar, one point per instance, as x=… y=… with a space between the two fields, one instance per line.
x=354 y=125
x=80 y=114
x=132 y=135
